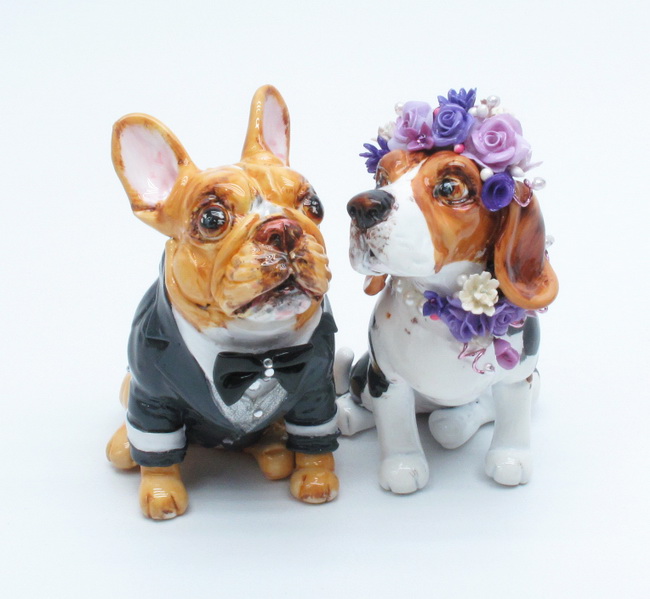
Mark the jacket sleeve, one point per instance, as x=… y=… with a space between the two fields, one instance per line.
x=155 y=429
x=311 y=423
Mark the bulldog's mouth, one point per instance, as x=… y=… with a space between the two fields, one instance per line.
x=282 y=302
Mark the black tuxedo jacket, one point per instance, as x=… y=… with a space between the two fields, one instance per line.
x=169 y=390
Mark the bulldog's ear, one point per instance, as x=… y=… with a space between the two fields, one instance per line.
x=149 y=161
x=267 y=138
x=520 y=263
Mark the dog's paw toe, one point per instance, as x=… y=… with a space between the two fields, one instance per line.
x=314 y=485
x=404 y=473
x=163 y=499
x=509 y=467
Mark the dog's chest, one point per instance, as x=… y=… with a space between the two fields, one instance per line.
x=259 y=402
x=422 y=352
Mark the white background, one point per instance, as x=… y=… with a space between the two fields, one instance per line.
x=75 y=263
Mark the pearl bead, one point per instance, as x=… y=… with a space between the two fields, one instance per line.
x=486 y=173
x=516 y=171
x=482 y=111
x=473 y=111
x=493 y=101
x=538 y=183
x=399 y=107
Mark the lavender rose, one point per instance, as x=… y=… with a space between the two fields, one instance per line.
x=413 y=128
x=451 y=125
x=498 y=191
x=497 y=143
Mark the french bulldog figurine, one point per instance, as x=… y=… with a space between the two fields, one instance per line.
x=455 y=332
x=233 y=346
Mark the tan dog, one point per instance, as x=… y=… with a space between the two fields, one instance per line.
x=235 y=336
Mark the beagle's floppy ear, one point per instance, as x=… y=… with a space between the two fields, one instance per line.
x=267 y=138
x=150 y=161
x=520 y=264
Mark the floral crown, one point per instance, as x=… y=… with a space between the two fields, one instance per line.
x=484 y=132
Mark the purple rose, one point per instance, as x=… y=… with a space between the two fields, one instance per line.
x=498 y=191
x=464 y=325
x=505 y=314
x=507 y=356
x=413 y=128
x=451 y=125
x=497 y=143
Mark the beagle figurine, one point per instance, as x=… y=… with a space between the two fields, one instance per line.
x=456 y=247
x=233 y=345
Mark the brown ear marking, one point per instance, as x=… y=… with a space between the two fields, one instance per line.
x=268 y=134
x=520 y=263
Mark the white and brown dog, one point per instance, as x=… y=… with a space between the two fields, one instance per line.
x=235 y=336
x=425 y=226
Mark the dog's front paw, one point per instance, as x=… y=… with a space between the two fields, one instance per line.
x=352 y=418
x=404 y=473
x=162 y=493
x=509 y=467
x=118 y=450
x=314 y=480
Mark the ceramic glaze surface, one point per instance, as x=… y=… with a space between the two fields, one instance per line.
x=236 y=338
x=455 y=330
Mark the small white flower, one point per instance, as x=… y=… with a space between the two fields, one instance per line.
x=387 y=130
x=479 y=294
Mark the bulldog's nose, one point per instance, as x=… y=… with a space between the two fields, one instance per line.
x=281 y=233
x=370 y=207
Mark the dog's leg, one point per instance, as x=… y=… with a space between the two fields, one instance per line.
x=452 y=427
x=162 y=492
x=509 y=461
x=271 y=453
x=118 y=450
x=404 y=468
x=351 y=417
x=314 y=480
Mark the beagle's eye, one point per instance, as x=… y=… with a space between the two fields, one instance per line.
x=213 y=221
x=381 y=178
x=451 y=191
x=312 y=207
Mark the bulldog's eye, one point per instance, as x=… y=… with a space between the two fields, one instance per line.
x=313 y=208
x=213 y=222
x=452 y=192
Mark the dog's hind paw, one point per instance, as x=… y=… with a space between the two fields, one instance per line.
x=404 y=473
x=453 y=427
x=510 y=467
x=352 y=418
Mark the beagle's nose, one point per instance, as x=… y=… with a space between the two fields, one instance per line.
x=370 y=207
x=280 y=233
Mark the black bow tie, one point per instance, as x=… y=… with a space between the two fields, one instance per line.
x=234 y=372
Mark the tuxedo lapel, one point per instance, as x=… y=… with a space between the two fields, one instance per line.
x=173 y=360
